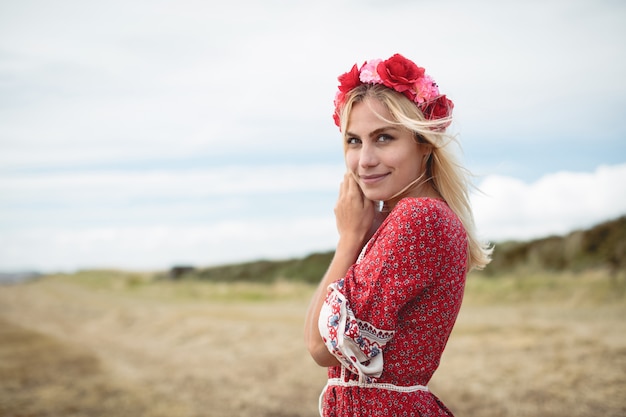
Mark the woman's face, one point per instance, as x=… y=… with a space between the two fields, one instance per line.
x=383 y=158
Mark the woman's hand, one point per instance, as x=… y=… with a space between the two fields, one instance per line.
x=354 y=214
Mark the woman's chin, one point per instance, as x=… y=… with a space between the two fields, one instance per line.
x=376 y=196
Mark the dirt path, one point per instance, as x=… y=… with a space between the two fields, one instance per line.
x=73 y=351
x=182 y=359
x=536 y=361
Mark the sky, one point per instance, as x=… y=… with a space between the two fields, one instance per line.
x=146 y=134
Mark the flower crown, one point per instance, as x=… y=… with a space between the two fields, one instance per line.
x=403 y=76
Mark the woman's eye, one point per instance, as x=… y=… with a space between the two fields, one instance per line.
x=384 y=138
x=353 y=141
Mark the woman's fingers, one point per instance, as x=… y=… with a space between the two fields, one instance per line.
x=354 y=190
x=350 y=195
x=354 y=213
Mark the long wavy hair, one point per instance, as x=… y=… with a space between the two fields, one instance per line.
x=446 y=174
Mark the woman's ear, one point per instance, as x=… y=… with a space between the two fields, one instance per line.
x=428 y=150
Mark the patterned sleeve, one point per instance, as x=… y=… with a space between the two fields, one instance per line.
x=355 y=343
x=412 y=247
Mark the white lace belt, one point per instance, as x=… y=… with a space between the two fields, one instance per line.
x=390 y=387
x=341 y=382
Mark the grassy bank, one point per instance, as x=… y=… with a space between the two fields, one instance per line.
x=594 y=287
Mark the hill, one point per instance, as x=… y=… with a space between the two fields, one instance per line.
x=600 y=247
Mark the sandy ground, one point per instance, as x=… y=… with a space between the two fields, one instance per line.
x=74 y=350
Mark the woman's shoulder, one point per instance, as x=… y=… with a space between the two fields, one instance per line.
x=412 y=206
x=421 y=211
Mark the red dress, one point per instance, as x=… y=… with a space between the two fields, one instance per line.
x=389 y=318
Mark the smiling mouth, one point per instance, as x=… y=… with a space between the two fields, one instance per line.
x=371 y=179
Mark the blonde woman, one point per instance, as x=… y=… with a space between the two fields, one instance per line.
x=384 y=310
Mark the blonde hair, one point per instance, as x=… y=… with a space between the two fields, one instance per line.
x=443 y=170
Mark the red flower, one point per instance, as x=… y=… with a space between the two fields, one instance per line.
x=349 y=80
x=438 y=108
x=400 y=74
x=336 y=118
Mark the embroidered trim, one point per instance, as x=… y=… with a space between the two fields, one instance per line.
x=357 y=344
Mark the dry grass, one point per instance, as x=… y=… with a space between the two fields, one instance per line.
x=107 y=343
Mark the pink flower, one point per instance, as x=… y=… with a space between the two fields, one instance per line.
x=425 y=89
x=368 y=72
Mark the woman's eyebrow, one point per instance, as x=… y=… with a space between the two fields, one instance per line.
x=383 y=129
x=374 y=132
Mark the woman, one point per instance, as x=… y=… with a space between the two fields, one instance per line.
x=384 y=310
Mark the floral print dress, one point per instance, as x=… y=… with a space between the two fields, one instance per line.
x=388 y=320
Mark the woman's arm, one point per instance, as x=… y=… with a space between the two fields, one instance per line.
x=338 y=267
x=354 y=216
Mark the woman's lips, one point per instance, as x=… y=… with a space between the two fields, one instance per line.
x=372 y=178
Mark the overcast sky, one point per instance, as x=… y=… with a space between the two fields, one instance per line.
x=143 y=134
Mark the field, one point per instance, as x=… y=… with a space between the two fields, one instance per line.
x=107 y=343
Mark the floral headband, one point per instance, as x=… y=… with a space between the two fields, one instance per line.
x=403 y=76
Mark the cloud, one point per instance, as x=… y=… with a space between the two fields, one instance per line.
x=101 y=186
x=152 y=220
x=555 y=204
x=155 y=247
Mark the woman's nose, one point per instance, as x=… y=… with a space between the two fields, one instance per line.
x=368 y=157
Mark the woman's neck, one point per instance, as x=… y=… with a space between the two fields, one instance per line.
x=415 y=190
